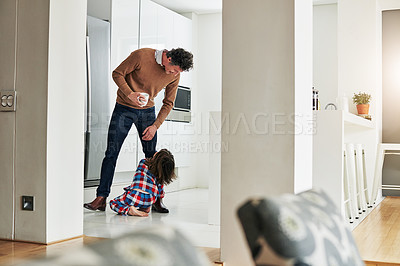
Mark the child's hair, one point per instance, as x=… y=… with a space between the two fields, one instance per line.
x=162 y=165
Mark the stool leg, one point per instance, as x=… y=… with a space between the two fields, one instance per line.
x=360 y=178
x=348 y=210
x=365 y=181
x=378 y=173
x=352 y=178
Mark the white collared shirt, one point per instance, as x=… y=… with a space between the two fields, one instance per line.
x=158 y=56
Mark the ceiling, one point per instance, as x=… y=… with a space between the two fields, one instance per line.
x=208 y=6
x=196 y=6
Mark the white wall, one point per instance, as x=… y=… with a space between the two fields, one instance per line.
x=325 y=57
x=208 y=65
x=388 y=4
x=358 y=49
x=391 y=94
x=99 y=9
x=188 y=177
x=65 y=119
x=391 y=77
x=359 y=64
x=8 y=14
x=303 y=102
x=206 y=97
x=259 y=95
x=31 y=123
x=49 y=77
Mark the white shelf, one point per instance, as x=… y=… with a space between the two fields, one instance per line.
x=349 y=119
x=354 y=120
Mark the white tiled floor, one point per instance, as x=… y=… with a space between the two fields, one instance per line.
x=188 y=212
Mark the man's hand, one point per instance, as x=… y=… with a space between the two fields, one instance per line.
x=149 y=132
x=136 y=98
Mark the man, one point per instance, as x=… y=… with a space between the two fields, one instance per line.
x=144 y=71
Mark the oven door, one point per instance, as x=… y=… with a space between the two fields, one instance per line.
x=183 y=99
x=182 y=105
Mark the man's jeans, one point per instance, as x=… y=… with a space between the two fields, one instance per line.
x=121 y=122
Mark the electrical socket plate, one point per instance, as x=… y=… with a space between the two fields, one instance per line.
x=27 y=203
x=8 y=101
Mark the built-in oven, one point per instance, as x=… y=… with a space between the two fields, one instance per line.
x=181 y=112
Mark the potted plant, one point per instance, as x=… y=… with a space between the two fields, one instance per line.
x=362 y=100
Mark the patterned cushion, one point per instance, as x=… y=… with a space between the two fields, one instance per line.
x=302 y=229
x=154 y=246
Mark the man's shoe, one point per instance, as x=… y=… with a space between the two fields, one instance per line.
x=99 y=203
x=158 y=206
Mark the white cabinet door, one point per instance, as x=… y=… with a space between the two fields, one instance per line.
x=165 y=28
x=127 y=157
x=161 y=28
x=178 y=138
x=183 y=144
x=124 y=40
x=182 y=37
x=164 y=136
x=148 y=25
x=124 y=30
x=164 y=139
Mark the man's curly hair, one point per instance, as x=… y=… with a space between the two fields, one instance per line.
x=180 y=57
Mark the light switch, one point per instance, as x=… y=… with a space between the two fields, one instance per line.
x=4 y=101
x=8 y=101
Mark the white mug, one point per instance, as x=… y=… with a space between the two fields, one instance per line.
x=145 y=95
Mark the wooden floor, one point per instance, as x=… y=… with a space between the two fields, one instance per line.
x=213 y=255
x=11 y=252
x=378 y=236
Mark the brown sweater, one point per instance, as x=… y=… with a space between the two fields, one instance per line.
x=141 y=73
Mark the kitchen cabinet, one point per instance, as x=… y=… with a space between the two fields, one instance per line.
x=165 y=28
x=164 y=138
x=124 y=30
x=137 y=24
x=177 y=138
x=161 y=28
x=148 y=25
x=142 y=23
x=124 y=40
x=127 y=159
x=183 y=143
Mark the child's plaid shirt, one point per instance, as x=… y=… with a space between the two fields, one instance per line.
x=143 y=180
x=146 y=181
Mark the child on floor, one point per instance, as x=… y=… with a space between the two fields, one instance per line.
x=147 y=185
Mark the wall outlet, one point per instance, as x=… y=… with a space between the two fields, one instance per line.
x=27 y=203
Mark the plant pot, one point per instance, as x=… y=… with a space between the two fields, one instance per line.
x=362 y=109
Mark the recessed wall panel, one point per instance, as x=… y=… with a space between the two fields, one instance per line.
x=7 y=119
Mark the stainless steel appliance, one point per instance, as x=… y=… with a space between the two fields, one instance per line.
x=181 y=112
x=98 y=101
